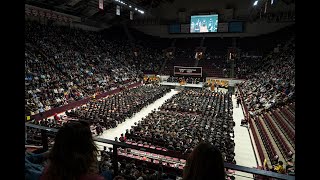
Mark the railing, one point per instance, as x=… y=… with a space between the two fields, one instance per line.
x=116 y=145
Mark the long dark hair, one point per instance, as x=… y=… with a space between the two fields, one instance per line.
x=73 y=154
x=204 y=163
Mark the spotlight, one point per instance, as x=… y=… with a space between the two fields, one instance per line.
x=255 y=3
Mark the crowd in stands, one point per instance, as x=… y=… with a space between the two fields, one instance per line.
x=269 y=87
x=273 y=81
x=280 y=167
x=189 y=80
x=188 y=118
x=185 y=53
x=64 y=65
x=244 y=65
x=45 y=86
x=213 y=65
x=149 y=59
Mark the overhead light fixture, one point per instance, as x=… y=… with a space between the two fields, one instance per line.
x=271 y=1
x=255 y=3
x=142 y=12
x=130 y=6
x=135 y=8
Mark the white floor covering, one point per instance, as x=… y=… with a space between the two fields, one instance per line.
x=243 y=148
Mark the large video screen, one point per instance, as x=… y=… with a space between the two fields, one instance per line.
x=204 y=23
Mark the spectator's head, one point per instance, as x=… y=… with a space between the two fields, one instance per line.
x=204 y=163
x=73 y=153
x=290 y=154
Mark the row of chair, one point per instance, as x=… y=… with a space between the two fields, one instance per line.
x=151 y=166
x=288 y=115
x=167 y=160
x=281 y=143
x=255 y=136
x=292 y=107
x=176 y=153
x=265 y=139
x=287 y=130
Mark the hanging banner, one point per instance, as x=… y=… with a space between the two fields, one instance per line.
x=185 y=28
x=101 y=4
x=131 y=15
x=118 y=10
x=223 y=27
x=265 y=7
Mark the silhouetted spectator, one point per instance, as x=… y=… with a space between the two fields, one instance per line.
x=204 y=163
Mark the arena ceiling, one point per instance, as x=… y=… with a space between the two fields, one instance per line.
x=89 y=8
x=164 y=9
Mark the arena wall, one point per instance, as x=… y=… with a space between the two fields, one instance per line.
x=250 y=29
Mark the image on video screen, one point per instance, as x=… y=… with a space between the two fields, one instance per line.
x=203 y=24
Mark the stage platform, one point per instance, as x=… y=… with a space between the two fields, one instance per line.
x=164 y=83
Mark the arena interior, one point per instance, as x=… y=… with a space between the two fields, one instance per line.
x=154 y=78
